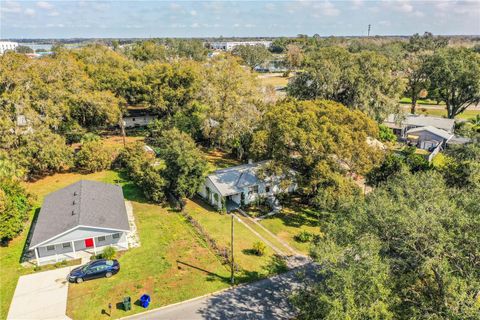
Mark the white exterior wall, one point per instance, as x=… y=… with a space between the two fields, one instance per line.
x=230 y=45
x=131 y=122
x=80 y=245
x=424 y=136
x=213 y=190
x=248 y=197
x=7 y=45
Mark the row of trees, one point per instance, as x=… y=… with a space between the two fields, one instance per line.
x=372 y=78
x=408 y=250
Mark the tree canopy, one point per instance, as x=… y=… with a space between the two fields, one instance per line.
x=366 y=81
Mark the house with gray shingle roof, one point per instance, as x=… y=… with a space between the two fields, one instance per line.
x=230 y=188
x=84 y=217
x=400 y=124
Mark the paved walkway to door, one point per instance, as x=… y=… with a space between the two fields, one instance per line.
x=41 y=295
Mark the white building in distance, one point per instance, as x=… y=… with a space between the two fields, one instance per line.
x=230 y=45
x=7 y=45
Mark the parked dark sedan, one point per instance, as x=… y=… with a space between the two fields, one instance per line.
x=94 y=269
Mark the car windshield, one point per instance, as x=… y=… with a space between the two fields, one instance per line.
x=109 y=262
x=85 y=267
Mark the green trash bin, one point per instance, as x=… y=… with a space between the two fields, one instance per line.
x=127 y=303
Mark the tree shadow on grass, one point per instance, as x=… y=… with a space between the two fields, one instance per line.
x=211 y=275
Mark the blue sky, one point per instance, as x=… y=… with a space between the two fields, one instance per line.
x=68 y=19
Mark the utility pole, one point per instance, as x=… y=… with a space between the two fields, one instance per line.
x=232 y=261
x=122 y=127
x=369 y=26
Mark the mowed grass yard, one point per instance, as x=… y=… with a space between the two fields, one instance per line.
x=467 y=114
x=172 y=264
x=273 y=79
x=218 y=227
x=292 y=220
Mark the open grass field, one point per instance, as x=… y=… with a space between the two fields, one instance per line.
x=467 y=114
x=290 y=221
x=218 y=227
x=172 y=264
x=273 y=79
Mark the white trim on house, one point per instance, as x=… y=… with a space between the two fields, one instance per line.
x=41 y=244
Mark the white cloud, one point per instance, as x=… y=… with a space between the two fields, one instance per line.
x=29 y=12
x=194 y=25
x=403 y=6
x=357 y=3
x=193 y=12
x=327 y=8
x=10 y=7
x=54 y=14
x=175 y=6
x=44 y=5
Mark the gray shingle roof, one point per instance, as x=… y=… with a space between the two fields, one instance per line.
x=438 y=132
x=232 y=180
x=84 y=203
x=423 y=121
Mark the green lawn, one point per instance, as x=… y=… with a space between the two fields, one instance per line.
x=172 y=264
x=292 y=220
x=218 y=227
x=467 y=114
x=273 y=79
x=406 y=100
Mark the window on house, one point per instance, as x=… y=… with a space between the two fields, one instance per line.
x=50 y=248
x=133 y=119
x=100 y=239
x=66 y=245
x=267 y=189
x=116 y=235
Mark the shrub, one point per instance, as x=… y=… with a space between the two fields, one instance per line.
x=93 y=157
x=386 y=134
x=109 y=253
x=259 y=248
x=276 y=265
x=304 y=236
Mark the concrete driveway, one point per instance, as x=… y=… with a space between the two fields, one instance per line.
x=41 y=295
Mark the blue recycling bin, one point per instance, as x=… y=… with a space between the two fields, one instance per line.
x=145 y=300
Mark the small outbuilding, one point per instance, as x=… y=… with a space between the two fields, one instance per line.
x=81 y=219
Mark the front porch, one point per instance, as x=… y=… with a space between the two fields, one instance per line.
x=76 y=249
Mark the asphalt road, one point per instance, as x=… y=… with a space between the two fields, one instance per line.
x=265 y=299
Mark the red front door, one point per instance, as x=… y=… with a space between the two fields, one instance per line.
x=89 y=243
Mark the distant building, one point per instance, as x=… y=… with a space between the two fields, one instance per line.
x=236 y=186
x=230 y=45
x=400 y=125
x=138 y=118
x=7 y=45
